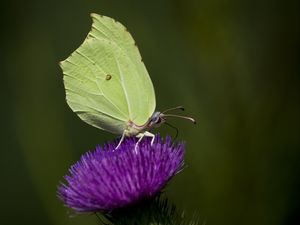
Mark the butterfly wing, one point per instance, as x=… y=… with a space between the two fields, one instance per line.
x=105 y=79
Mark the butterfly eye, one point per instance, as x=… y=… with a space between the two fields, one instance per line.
x=158 y=120
x=154 y=119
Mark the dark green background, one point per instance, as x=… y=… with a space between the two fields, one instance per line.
x=232 y=64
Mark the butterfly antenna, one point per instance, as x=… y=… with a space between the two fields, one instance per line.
x=175 y=128
x=174 y=108
x=182 y=117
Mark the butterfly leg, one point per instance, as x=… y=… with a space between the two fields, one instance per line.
x=148 y=134
x=121 y=140
x=141 y=136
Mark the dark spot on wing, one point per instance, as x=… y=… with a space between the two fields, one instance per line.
x=108 y=77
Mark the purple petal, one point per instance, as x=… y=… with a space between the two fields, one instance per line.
x=107 y=179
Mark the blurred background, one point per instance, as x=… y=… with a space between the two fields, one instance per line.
x=232 y=64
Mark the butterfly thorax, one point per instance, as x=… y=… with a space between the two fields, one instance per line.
x=133 y=129
x=155 y=120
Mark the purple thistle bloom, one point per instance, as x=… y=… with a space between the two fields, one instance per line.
x=109 y=178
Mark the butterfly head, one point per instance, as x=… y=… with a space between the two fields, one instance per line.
x=156 y=119
x=159 y=118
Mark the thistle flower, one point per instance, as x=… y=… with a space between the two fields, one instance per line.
x=107 y=178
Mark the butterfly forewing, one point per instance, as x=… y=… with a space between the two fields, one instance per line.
x=106 y=82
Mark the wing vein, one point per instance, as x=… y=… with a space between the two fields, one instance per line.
x=117 y=44
x=101 y=31
x=97 y=84
x=90 y=93
x=124 y=89
x=76 y=78
x=123 y=50
x=97 y=110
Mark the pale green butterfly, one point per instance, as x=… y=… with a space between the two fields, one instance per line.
x=107 y=84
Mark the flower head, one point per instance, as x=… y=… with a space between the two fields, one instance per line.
x=109 y=178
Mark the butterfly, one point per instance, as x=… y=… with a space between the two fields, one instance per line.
x=107 y=84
